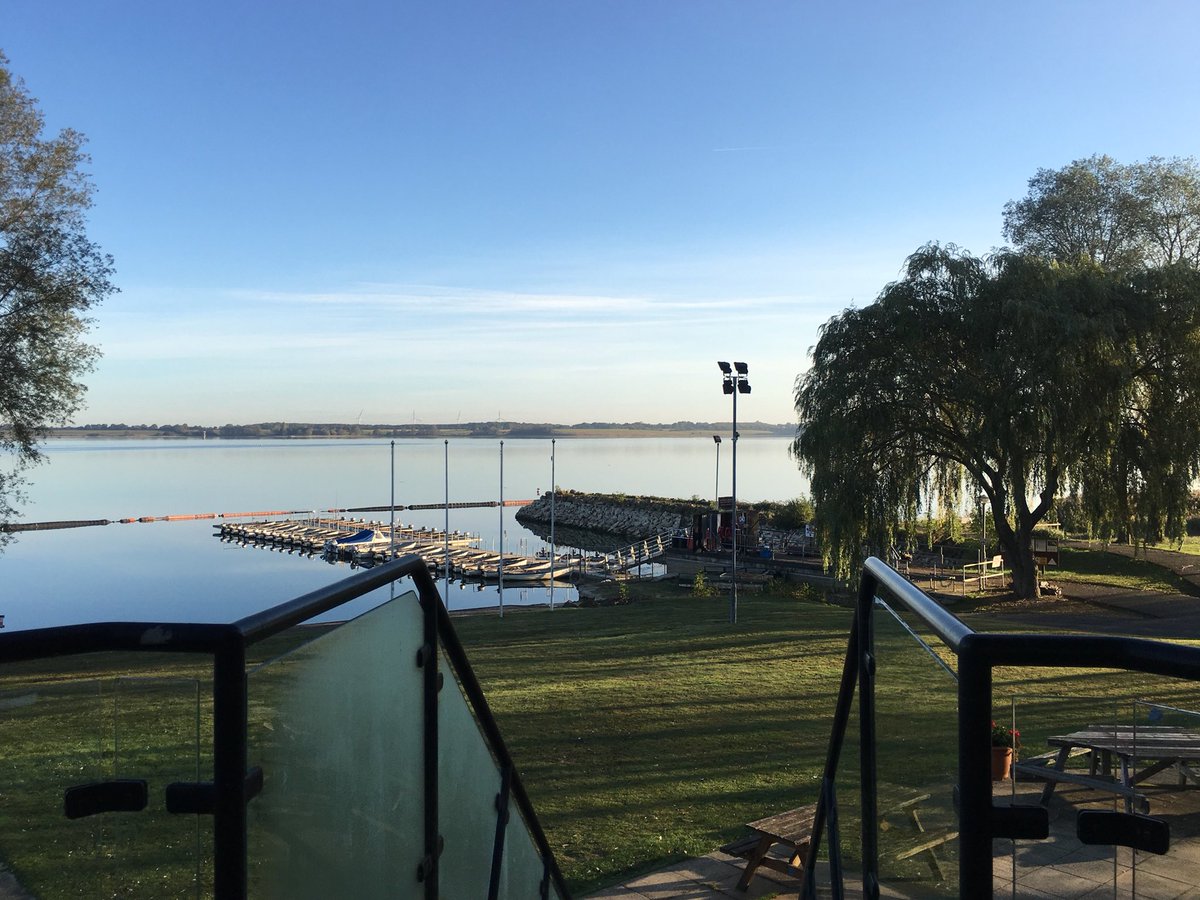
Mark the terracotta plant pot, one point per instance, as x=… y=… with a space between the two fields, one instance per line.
x=1001 y=762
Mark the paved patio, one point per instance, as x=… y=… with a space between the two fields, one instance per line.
x=711 y=877
x=1059 y=867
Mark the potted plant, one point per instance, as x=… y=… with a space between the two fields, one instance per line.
x=1004 y=742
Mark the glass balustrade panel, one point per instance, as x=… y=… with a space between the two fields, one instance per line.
x=469 y=796
x=916 y=726
x=1060 y=763
x=82 y=736
x=56 y=736
x=157 y=724
x=336 y=724
x=1164 y=766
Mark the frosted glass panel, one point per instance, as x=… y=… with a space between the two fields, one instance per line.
x=336 y=727
x=523 y=867
x=468 y=785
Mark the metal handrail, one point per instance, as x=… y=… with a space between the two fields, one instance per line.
x=978 y=653
x=947 y=626
x=227 y=644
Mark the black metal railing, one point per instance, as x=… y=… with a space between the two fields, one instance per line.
x=979 y=819
x=236 y=780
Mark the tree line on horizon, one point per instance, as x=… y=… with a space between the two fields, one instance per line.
x=465 y=429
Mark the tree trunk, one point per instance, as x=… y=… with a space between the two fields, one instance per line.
x=1018 y=550
x=1024 y=573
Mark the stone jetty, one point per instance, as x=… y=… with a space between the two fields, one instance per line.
x=634 y=517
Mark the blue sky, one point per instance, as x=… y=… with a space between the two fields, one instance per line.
x=553 y=211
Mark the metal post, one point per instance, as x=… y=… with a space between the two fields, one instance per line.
x=974 y=779
x=733 y=574
x=427 y=658
x=983 y=557
x=868 y=771
x=392 y=520
x=446 y=549
x=552 y=549
x=735 y=381
x=500 y=564
x=230 y=718
x=717 y=479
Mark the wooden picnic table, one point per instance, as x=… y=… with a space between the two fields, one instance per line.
x=793 y=831
x=1155 y=748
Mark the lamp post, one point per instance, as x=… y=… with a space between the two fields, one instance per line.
x=446 y=529
x=553 y=550
x=735 y=381
x=500 y=562
x=984 y=505
x=392 y=517
x=717 y=481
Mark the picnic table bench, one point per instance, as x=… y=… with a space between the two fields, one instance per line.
x=793 y=831
x=982 y=571
x=1114 y=753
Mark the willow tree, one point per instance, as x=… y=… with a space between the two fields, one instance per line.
x=1142 y=219
x=1001 y=375
x=50 y=276
x=1136 y=487
x=1114 y=214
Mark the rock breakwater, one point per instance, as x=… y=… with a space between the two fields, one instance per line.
x=634 y=517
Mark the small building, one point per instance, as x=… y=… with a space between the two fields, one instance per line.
x=713 y=531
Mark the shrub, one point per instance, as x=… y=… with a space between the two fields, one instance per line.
x=701 y=587
x=792 y=515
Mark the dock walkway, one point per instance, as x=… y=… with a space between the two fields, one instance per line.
x=381 y=542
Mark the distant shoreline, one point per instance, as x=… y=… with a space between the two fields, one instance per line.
x=300 y=431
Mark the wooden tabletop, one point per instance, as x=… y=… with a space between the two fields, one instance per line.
x=1159 y=741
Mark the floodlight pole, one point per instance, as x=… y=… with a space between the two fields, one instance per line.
x=736 y=381
x=733 y=491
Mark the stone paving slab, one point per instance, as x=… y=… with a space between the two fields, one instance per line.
x=705 y=878
x=1058 y=868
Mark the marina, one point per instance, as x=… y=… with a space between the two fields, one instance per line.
x=456 y=554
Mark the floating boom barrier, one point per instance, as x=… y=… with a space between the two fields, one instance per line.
x=257 y=514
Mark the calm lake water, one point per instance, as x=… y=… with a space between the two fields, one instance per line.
x=177 y=571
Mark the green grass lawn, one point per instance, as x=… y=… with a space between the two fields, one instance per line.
x=1189 y=544
x=653 y=731
x=1097 y=567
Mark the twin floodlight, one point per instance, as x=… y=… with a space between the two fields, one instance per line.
x=740 y=379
